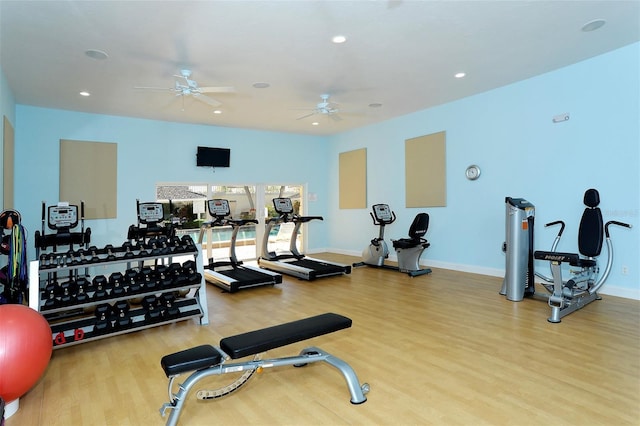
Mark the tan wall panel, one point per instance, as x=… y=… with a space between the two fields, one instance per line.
x=7 y=163
x=425 y=171
x=88 y=172
x=353 y=179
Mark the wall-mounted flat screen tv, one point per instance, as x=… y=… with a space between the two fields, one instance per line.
x=213 y=157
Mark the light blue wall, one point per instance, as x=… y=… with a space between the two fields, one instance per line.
x=510 y=134
x=7 y=109
x=150 y=152
x=507 y=131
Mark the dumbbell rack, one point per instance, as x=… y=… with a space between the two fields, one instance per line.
x=74 y=323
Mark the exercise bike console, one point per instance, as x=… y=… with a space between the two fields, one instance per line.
x=382 y=214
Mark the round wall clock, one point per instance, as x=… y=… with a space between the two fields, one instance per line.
x=472 y=172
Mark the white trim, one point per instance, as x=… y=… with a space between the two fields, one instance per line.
x=611 y=290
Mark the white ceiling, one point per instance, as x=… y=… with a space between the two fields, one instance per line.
x=402 y=54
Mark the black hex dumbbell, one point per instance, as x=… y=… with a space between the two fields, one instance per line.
x=121 y=314
x=153 y=311
x=102 y=322
x=149 y=278
x=51 y=294
x=111 y=256
x=116 y=281
x=82 y=288
x=69 y=289
x=169 y=309
x=128 y=250
x=163 y=276
x=100 y=284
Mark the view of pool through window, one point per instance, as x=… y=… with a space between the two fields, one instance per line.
x=185 y=205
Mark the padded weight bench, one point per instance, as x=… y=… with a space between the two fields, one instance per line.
x=207 y=360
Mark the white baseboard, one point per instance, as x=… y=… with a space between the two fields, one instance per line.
x=610 y=290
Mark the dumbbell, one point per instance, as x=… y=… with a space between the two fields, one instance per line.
x=116 y=281
x=128 y=247
x=150 y=304
x=151 y=244
x=189 y=269
x=102 y=323
x=121 y=313
x=162 y=274
x=100 y=283
x=169 y=309
x=110 y=255
x=130 y=280
x=175 y=242
x=82 y=286
x=71 y=257
x=51 y=291
x=178 y=279
x=149 y=278
x=69 y=289
x=187 y=243
x=92 y=254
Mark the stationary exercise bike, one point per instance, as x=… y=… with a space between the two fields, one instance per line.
x=566 y=296
x=408 y=250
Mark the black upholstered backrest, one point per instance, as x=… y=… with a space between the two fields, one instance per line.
x=591 y=232
x=419 y=226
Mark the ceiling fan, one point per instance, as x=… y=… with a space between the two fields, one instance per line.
x=184 y=86
x=329 y=109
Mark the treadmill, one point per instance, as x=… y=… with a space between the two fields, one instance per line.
x=293 y=262
x=231 y=275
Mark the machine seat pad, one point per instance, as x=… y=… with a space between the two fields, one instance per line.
x=406 y=243
x=572 y=258
x=262 y=340
x=196 y=358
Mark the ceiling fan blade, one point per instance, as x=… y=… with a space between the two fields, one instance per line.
x=217 y=89
x=305 y=116
x=206 y=99
x=335 y=117
x=153 y=88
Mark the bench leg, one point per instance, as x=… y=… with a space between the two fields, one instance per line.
x=357 y=391
x=306 y=356
x=178 y=400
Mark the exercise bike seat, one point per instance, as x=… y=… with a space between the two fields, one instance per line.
x=417 y=230
x=590 y=236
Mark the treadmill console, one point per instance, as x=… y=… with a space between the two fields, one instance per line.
x=382 y=212
x=283 y=205
x=62 y=216
x=218 y=207
x=150 y=212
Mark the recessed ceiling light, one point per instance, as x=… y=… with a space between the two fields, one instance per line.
x=593 y=25
x=338 y=39
x=375 y=105
x=315 y=123
x=460 y=75
x=85 y=94
x=96 y=54
x=261 y=85
x=217 y=111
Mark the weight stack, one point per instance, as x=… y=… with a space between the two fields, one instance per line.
x=518 y=248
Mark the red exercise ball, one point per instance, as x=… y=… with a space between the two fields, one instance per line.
x=25 y=349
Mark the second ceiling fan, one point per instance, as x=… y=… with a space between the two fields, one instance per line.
x=326 y=108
